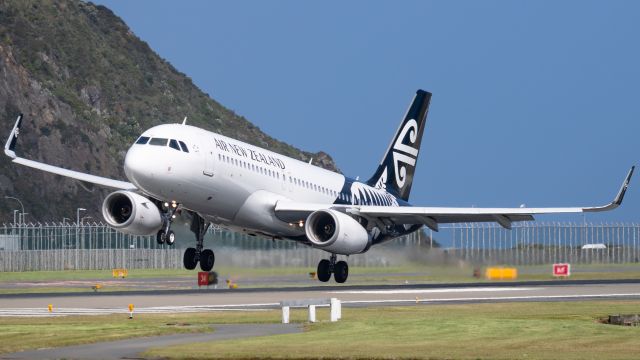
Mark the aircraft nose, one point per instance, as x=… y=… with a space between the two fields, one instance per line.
x=133 y=164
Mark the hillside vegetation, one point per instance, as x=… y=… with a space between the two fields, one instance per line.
x=88 y=87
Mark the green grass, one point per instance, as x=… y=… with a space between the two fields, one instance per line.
x=19 y=334
x=429 y=272
x=88 y=274
x=282 y=276
x=488 y=331
x=569 y=330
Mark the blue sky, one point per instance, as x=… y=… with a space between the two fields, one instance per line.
x=533 y=102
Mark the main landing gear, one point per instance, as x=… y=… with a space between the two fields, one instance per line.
x=192 y=256
x=166 y=235
x=340 y=270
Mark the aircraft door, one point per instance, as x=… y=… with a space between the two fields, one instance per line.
x=209 y=155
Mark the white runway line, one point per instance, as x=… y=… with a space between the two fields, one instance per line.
x=493 y=298
x=43 y=312
x=432 y=291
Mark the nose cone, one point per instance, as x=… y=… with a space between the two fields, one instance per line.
x=134 y=166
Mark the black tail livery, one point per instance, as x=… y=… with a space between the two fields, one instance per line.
x=395 y=173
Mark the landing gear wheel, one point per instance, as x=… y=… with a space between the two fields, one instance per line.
x=160 y=237
x=324 y=270
x=207 y=258
x=170 y=238
x=190 y=261
x=341 y=272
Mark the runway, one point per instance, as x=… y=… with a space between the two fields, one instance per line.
x=183 y=301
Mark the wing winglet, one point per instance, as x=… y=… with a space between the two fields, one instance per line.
x=619 y=197
x=9 y=147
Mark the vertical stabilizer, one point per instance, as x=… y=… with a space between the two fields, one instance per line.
x=395 y=173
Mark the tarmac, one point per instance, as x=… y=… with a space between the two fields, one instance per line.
x=257 y=299
x=263 y=299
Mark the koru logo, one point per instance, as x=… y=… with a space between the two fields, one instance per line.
x=403 y=154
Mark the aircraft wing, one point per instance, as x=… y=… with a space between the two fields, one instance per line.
x=9 y=149
x=432 y=216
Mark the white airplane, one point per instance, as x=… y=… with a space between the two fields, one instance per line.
x=177 y=167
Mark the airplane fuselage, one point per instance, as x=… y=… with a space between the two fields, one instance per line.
x=236 y=185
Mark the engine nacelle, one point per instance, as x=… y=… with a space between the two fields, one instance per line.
x=336 y=232
x=131 y=213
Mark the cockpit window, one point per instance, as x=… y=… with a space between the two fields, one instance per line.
x=158 y=141
x=142 y=140
x=174 y=144
x=184 y=147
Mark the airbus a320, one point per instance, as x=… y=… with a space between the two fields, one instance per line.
x=244 y=188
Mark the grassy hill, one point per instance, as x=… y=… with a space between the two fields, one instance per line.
x=88 y=87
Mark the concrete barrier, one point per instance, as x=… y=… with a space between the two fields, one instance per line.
x=311 y=304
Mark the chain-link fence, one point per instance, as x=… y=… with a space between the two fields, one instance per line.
x=547 y=243
x=59 y=246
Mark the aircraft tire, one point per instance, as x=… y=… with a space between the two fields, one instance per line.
x=324 y=270
x=160 y=237
x=207 y=259
x=170 y=238
x=189 y=259
x=341 y=272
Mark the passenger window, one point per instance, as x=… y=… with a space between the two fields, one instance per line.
x=184 y=147
x=142 y=140
x=174 y=145
x=159 y=141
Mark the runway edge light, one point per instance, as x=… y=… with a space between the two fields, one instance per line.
x=130 y=311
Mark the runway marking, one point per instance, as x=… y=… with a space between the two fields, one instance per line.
x=531 y=297
x=428 y=291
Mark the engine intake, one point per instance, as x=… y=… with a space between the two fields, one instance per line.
x=131 y=213
x=336 y=232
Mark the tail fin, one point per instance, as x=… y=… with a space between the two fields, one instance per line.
x=395 y=173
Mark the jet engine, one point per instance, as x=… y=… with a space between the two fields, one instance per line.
x=336 y=232
x=131 y=213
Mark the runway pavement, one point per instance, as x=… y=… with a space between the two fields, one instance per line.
x=177 y=301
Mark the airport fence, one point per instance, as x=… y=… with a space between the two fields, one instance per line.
x=60 y=246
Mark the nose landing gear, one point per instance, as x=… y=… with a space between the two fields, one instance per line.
x=192 y=256
x=166 y=235
x=340 y=270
